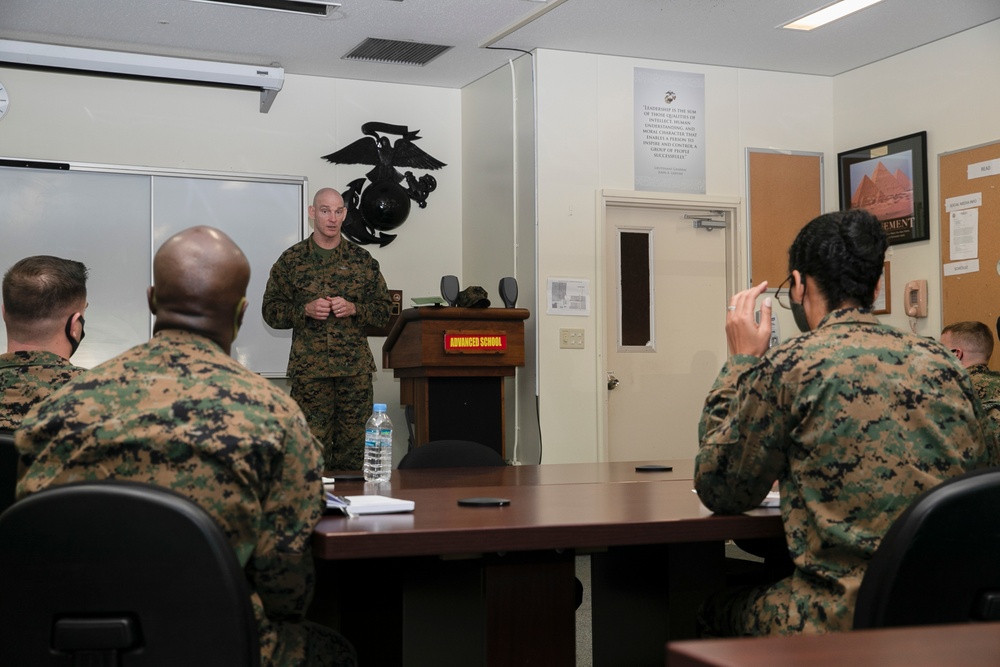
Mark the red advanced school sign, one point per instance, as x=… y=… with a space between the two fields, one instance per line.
x=474 y=342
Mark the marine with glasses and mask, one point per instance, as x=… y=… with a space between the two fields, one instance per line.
x=853 y=419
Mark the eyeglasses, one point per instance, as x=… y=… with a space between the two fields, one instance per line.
x=784 y=299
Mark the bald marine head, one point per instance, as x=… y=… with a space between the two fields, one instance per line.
x=200 y=279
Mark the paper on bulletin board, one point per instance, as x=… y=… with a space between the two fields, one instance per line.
x=983 y=169
x=958 y=268
x=964 y=234
x=965 y=201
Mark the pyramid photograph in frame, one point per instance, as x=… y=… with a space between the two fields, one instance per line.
x=889 y=180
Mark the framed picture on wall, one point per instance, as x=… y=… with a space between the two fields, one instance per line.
x=889 y=180
x=883 y=302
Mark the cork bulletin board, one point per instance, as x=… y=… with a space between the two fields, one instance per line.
x=784 y=192
x=970 y=190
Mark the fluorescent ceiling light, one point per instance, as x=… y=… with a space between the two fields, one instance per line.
x=311 y=7
x=268 y=80
x=828 y=14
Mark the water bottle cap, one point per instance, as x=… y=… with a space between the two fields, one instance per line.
x=380 y=407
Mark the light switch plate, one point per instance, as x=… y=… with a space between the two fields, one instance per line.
x=571 y=339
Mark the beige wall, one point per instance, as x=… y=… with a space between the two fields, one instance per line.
x=951 y=89
x=498 y=223
x=584 y=146
x=112 y=121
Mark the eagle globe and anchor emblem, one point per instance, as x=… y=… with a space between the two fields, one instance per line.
x=385 y=204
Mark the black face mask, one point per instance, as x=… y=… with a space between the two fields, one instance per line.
x=798 y=310
x=73 y=342
x=799 y=313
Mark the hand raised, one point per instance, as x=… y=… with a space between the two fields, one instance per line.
x=743 y=334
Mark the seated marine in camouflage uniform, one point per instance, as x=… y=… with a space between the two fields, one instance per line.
x=972 y=343
x=181 y=413
x=44 y=299
x=854 y=419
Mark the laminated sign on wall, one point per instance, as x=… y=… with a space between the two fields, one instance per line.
x=669 y=112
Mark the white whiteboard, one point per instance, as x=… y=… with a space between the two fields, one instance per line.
x=113 y=218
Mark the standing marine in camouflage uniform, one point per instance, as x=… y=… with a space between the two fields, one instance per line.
x=327 y=290
x=44 y=299
x=853 y=419
x=972 y=343
x=181 y=413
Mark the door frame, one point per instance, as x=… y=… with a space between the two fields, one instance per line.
x=730 y=206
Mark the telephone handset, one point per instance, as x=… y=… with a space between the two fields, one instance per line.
x=915 y=298
x=775 y=330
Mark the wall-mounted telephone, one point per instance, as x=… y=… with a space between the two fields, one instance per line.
x=915 y=298
x=775 y=331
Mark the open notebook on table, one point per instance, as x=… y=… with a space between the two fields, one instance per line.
x=367 y=504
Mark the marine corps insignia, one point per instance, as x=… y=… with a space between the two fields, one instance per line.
x=385 y=203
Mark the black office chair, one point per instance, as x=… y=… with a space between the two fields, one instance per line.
x=8 y=469
x=451 y=454
x=120 y=574
x=940 y=560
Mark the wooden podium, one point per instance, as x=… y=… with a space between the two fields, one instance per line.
x=451 y=363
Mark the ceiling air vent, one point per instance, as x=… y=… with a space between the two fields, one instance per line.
x=395 y=52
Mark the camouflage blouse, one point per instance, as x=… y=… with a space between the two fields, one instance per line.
x=26 y=378
x=333 y=347
x=180 y=413
x=854 y=420
x=987 y=384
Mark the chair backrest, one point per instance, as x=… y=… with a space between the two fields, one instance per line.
x=120 y=573
x=940 y=560
x=451 y=454
x=8 y=469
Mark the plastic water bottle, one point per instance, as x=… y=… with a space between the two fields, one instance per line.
x=378 y=446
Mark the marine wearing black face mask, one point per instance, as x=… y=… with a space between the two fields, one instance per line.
x=74 y=342
x=799 y=313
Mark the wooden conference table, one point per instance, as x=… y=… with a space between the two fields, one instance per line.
x=969 y=645
x=452 y=585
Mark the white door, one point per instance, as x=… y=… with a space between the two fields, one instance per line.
x=667 y=290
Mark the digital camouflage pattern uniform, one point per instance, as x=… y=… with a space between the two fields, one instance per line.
x=28 y=377
x=987 y=384
x=330 y=365
x=180 y=413
x=854 y=419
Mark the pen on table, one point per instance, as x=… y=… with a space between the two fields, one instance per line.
x=339 y=499
x=344 y=504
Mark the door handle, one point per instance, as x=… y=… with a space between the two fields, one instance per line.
x=612 y=381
